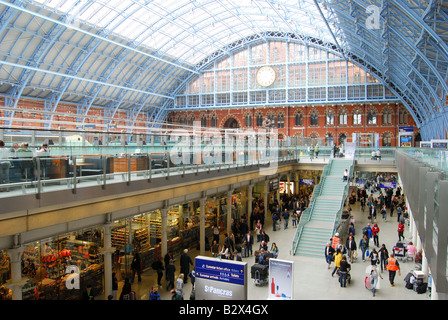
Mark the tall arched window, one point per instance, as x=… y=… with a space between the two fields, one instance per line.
x=387 y=139
x=403 y=116
x=298 y=119
x=280 y=120
x=192 y=118
x=259 y=119
x=371 y=117
x=248 y=120
x=314 y=119
x=203 y=121
x=387 y=116
x=343 y=117
x=357 y=117
x=330 y=118
x=214 y=121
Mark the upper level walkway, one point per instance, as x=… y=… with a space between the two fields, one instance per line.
x=43 y=207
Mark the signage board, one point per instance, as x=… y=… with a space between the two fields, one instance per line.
x=281 y=280
x=218 y=279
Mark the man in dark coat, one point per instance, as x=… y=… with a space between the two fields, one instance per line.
x=185 y=262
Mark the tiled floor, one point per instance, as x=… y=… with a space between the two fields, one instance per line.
x=312 y=278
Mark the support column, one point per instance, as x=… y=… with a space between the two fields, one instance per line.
x=16 y=282
x=108 y=250
x=229 y=210
x=266 y=199
x=249 y=200
x=296 y=183
x=202 y=202
x=164 y=232
x=288 y=181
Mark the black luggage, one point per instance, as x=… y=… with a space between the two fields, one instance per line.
x=420 y=287
x=259 y=271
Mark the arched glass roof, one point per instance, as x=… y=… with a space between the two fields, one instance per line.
x=190 y=30
x=135 y=54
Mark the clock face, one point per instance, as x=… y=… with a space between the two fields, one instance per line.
x=265 y=76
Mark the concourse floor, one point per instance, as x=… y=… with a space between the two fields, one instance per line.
x=312 y=278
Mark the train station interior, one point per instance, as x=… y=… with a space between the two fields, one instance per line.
x=137 y=135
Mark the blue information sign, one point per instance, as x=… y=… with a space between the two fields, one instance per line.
x=219 y=270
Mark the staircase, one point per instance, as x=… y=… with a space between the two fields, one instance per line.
x=318 y=223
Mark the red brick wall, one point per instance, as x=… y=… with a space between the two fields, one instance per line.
x=321 y=130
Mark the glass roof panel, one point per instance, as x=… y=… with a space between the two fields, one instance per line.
x=190 y=30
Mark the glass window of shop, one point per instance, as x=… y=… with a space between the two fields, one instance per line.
x=141 y=236
x=48 y=265
x=5 y=275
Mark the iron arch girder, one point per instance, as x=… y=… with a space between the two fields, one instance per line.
x=77 y=64
x=27 y=73
x=419 y=21
x=73 y=27
x=424 y=59
x=406 y=40
x=138 y=74
x=406 y=65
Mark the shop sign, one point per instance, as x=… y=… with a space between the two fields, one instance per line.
x=218 y=279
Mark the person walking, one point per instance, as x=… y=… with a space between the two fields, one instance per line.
x=285 y=218
x=337 y=261
x=364 y=246
x=392 y=266
x=384 y=213
x=375 y=231
x=374 y=257
x=126 y=290
x=316 y=150
x=374 y=278
x=249 y=243
x=185 y=262
x=170 y=271
x=351 y=247
x=136 y=267
x=384 y=255
x=329 y=252
x=344 y=268
x=157 y=265
x=400 y=231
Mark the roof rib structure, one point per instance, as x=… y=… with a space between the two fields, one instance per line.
x=135 y=54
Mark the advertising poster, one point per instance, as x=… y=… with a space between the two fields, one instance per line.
x=218 y=279
x=350 y=150
x=281 y=280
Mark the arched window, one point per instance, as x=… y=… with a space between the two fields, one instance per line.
x=248 y=120
x=387 y=116
x=259 y=119
x=180 y=120
x=357 y=117
x=342 y=139
x=203 y=121
x=314 y=118
x=371 y=117
x=330 y=118
x=343 y=117
x=280 y=120
x=214 y=121
x=192 y=118
x=387 y=139
x=298 y=119
x=403 y=116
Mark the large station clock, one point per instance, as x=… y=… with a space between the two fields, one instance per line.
x=265 y=76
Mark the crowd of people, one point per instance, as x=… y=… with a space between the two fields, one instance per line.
x=391 y=203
